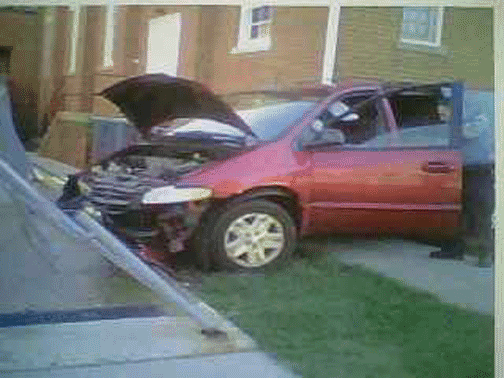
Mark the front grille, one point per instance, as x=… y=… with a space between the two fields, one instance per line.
x=133 y=220
x=113 y=194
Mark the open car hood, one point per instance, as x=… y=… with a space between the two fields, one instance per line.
x=149 y=100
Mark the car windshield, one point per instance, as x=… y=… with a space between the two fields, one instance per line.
x=270 y=121
x=267 y=122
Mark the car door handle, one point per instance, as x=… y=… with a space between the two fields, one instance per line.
x=437 y=167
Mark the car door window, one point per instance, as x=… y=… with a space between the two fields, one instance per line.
x=349 y=122
x=423 y=119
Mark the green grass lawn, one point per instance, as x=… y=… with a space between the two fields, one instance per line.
x=325 y=320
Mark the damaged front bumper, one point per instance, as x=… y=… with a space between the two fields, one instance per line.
x=168 y=227
x=164 y=217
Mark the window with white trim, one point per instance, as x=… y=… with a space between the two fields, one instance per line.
x=73 y=40
x=422 y=26
x=110 y=36
x=255 y=29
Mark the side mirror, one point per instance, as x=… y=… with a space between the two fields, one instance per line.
x=325 y=138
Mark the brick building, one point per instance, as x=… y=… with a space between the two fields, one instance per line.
x=446 y=43
x=30 y=55
x=212 y=49
x=69 y=54
x=233 y=48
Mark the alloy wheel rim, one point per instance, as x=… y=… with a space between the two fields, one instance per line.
x=254 y=240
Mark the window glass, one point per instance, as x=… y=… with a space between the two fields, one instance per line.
x=270 y=121
x=423 y=118
x=422 y=25
x=260 y=14
x=260 y=22
x=267 y=122
x=255 y=29
x=351 y=122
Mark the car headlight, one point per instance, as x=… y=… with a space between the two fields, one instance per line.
x=171 y=195
x=84 y=188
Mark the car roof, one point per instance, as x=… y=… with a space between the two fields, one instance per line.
x=316 y=89
x=310 y=89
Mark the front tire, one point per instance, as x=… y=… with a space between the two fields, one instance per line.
x=252 y=235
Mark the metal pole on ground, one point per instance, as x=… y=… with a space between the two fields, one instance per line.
x=84 y=226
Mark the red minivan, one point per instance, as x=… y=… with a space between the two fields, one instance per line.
x=241 y=186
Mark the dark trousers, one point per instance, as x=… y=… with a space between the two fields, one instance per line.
x=479 y=202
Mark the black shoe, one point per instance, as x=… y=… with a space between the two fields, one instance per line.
x=445 y=255
x=449 y=250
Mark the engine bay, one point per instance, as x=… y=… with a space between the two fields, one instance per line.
x=158 y=167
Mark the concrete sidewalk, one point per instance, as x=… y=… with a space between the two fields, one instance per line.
x=162 y=346
x=54 y=288
x=452 y=281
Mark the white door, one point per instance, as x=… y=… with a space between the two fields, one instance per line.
x=163 y=45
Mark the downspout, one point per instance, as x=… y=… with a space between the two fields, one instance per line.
x=331 y=42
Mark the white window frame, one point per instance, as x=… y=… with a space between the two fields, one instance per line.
x=74 y=39
x=245 y=42
x=110 y=30
x=438 y=31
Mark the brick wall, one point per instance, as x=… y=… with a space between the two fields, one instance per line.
x=472 y=46
x=23 y=33
x=130 y=56
x=298 y=35
x=208 y=34
x=52 y=78
x=79 y=86
x=368 y=47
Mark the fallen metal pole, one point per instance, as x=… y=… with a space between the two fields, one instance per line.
x=35 y=201
x=166 y=287
x=84 y=226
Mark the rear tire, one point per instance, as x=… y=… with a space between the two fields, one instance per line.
x=252 y=236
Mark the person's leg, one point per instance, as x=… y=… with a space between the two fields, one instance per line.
x=478 y=207
x=455 y=249
x=485 y=209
